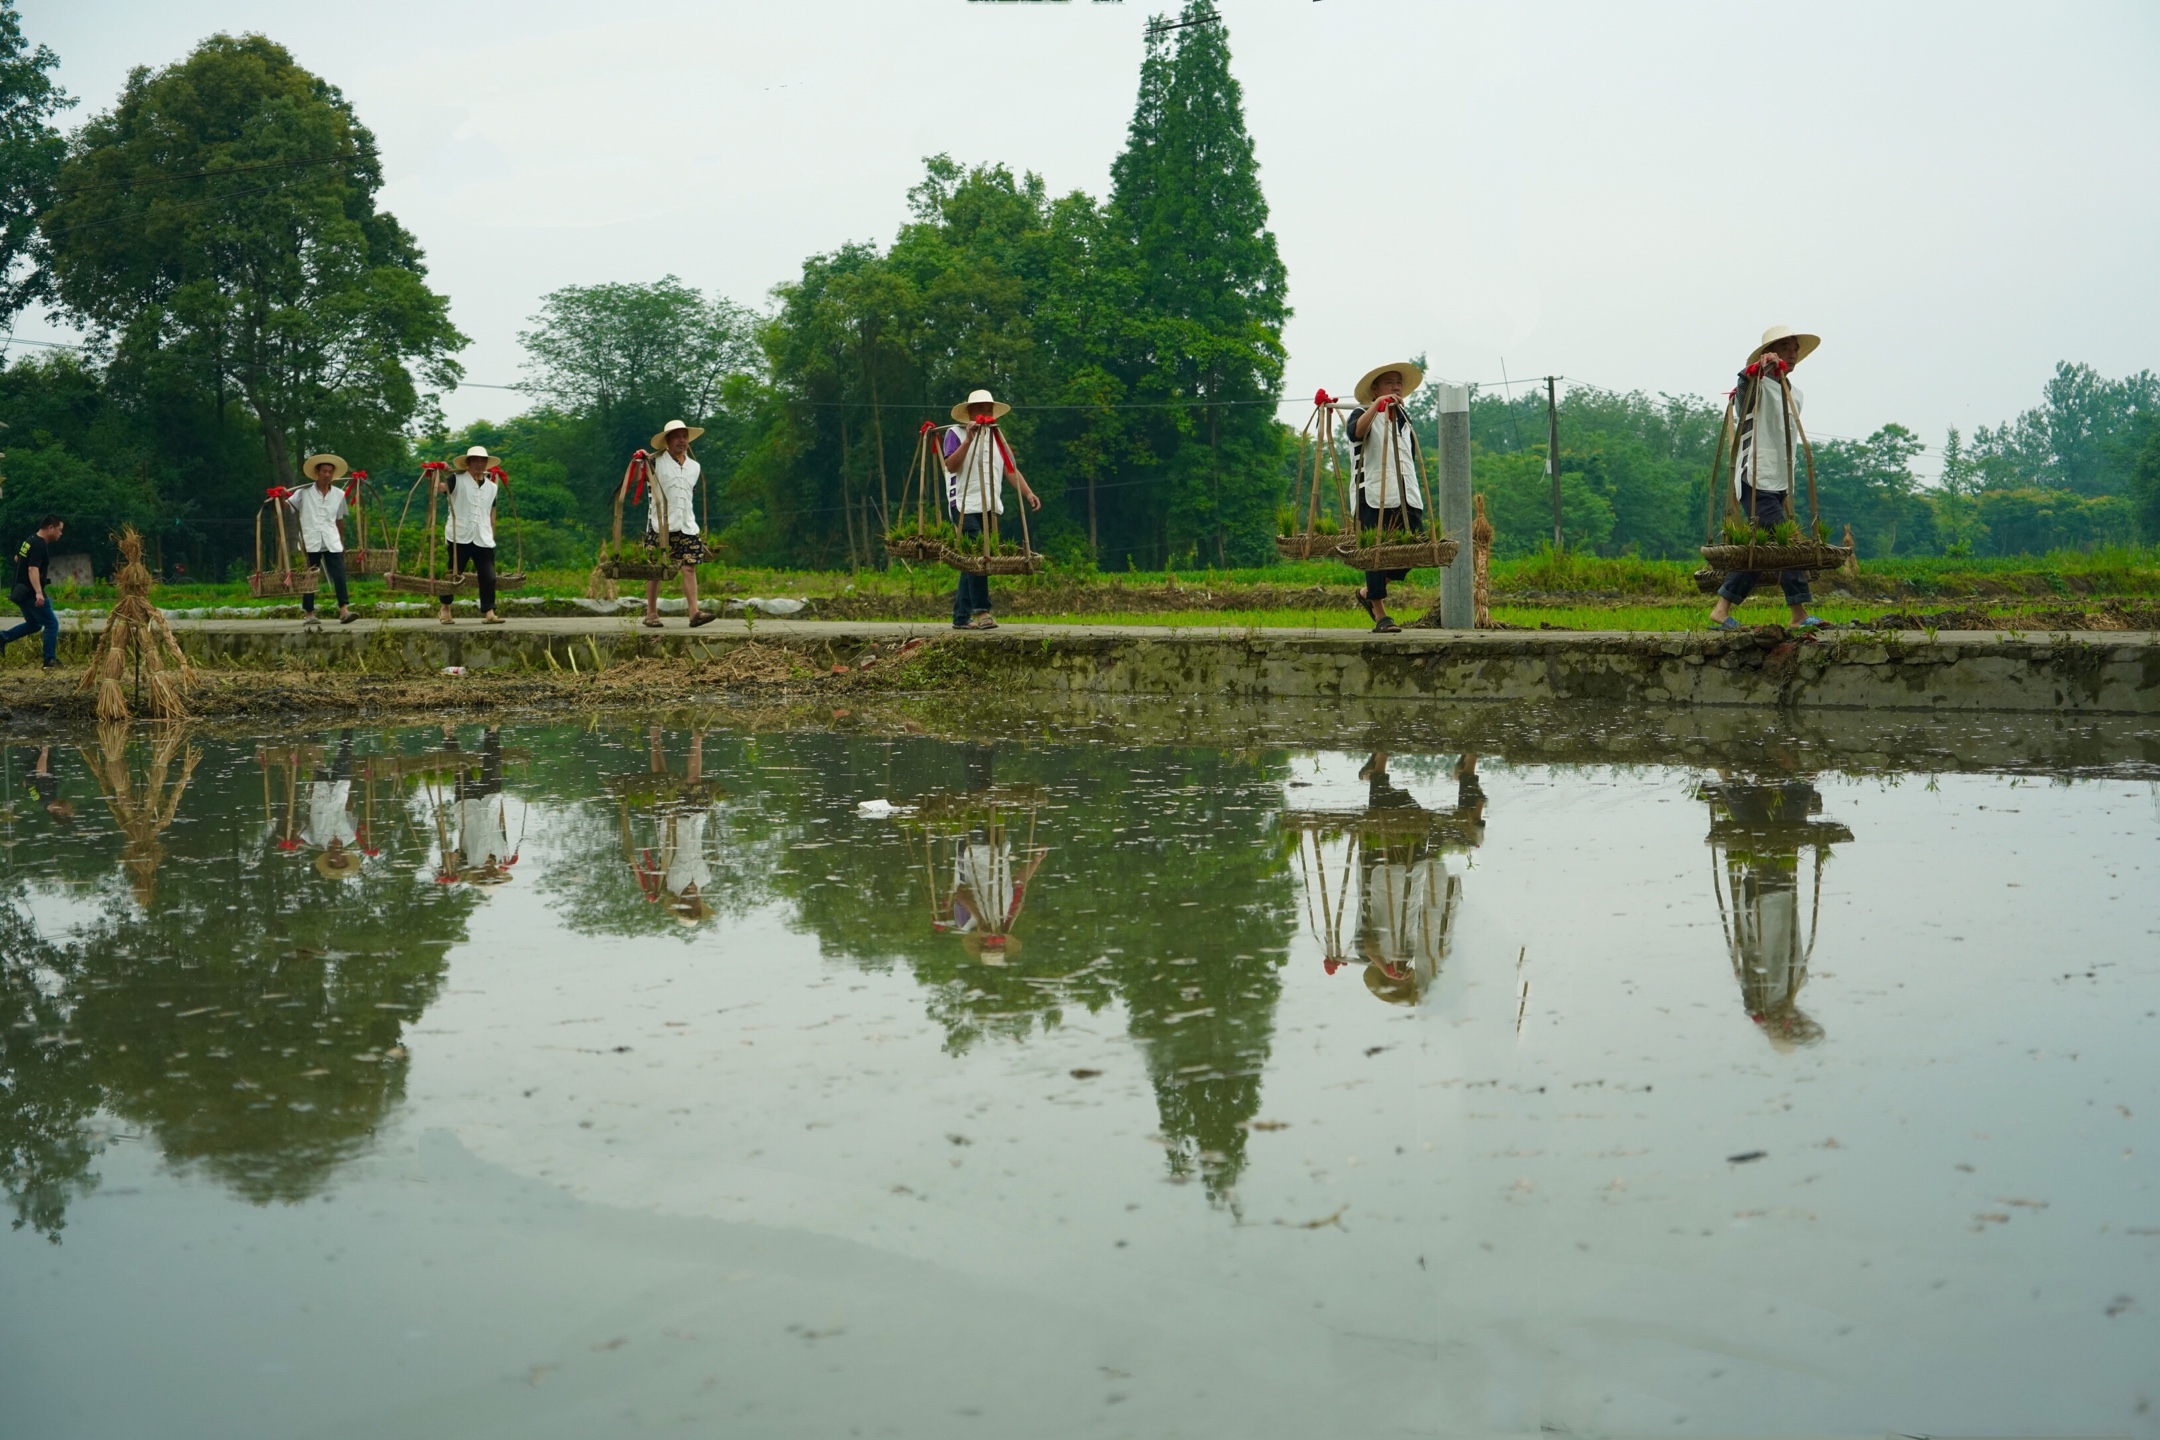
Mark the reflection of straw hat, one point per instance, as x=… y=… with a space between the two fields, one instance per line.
x=1776 y=333
x=659 y=441
x=487 y=875
x=1413 y=375
x=998 y=408
x=1396 y=984
x=689 y=909
x=340 y=864
x=307 y=466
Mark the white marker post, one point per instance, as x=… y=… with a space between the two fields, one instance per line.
x=1458 y=583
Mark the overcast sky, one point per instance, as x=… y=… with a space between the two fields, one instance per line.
x=1955 y=196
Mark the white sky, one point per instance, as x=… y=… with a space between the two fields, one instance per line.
x=1954 y=195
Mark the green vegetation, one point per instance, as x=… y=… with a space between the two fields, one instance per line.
x=239 y=322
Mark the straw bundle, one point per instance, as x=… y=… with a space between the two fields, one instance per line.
x=136 y=632
x=1481 y=538
x=145 y=813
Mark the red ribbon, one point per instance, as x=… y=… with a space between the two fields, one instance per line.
x=927 y=427
x=434 y=465
x=1321 y=397
x=278 y=492
x=1004 y=450
x=635 y=475
x=498 y=475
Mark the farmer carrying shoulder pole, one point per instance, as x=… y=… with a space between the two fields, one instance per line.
x=472 y=488
x=1763 y=464
x=673 y=513
x=1390 y=474
x=977 y=462
x=319 y=506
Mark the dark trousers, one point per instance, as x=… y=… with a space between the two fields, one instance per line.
x=37 y=617
x=1403 y=521
x=333 y=565
x=972 y=595
x=481 y=560
x=1766 y=508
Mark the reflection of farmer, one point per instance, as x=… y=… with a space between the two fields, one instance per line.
x=1761 y=827
x=330 y=827
x=1407 y=897
x=677 y=872
x=987 y=892
x=45 y=782
x=483 y=855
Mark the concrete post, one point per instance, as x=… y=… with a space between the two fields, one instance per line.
x=1457 y=585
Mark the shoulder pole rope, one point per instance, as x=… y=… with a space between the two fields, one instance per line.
x=1728 y=437
x=1794 y=427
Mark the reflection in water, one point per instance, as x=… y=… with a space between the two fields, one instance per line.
x=970 y=838
x=674 y=870
x=244 y=1010
x=1757 y=830
x=1407 y=894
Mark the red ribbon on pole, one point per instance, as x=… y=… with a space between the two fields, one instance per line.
x=927 y=427
x=1004 y=450
x=1321 y=397
x=278 y=492
x=635 y=476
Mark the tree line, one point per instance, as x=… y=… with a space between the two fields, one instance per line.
x=244 y=299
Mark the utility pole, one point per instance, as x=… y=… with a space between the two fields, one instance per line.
x=1458 y=608
x=1552 y=458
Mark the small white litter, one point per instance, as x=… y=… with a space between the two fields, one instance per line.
x=882 y=809
x=769 y=607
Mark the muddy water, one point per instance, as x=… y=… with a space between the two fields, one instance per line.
x=607 y=1079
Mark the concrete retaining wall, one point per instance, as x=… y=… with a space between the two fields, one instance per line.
x=2098 y=673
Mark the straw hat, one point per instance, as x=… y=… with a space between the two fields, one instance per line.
x=478 y=452
x=1776 y=333
x=1413 y=375
x=998 y=408
x=340 y=864
x=307 y=466
x=659 y=441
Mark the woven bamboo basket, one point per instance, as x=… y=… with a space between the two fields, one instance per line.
x=430 y=583
x=1399 y=555
x=286 y=579
x=373 y=560
x=1308 y=547
x=1808 y=556
x=914 y=547
x=1024 y=564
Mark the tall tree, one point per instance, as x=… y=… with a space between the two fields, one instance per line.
x=217 y=231
x=1211 y=292
x=623 y=353
x=30 y=154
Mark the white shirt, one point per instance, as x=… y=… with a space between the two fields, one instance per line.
x=1766 y=462
x=483 y=825
x=319 y=514
x=1388 y=458
x=984 y=888
x=978 y=486
x=328 y=817
x=472 y=512
x=674 y=484
x=687 y=869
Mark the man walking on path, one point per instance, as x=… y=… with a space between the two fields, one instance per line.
x=1763 y=468
x=977 y=462
x=320 y=507
x=471 y=527
x=673 y=515
x=33 y=568
x=1390 y=476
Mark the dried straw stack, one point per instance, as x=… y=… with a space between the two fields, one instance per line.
x=143 y=814
x=135 y=630
x=1481 y=538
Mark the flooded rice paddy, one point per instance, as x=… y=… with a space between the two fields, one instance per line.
x=615 y=1078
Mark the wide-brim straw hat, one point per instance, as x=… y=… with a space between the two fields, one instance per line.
x=340 y=864
x=478 y=452
x=1776 y=333
x=1413 y=375
x=998 y=408
x=307 y=466
x=659 y=441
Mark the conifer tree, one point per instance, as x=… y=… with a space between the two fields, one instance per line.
x=1211 y=299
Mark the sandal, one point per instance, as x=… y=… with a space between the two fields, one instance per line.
x=703 y=617
x=1728 y=623
x=652 y=622
x=493 y=620
x=1813 y=622
x=983 y=621
x=447 y=618
x=1384 y=624
x=347 y=618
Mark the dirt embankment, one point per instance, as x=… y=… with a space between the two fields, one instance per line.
x=2113 y=615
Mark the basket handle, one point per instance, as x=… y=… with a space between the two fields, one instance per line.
x=284 y=546
x=1728 y=438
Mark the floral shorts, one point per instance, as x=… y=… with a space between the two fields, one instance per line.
x=684 y=550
